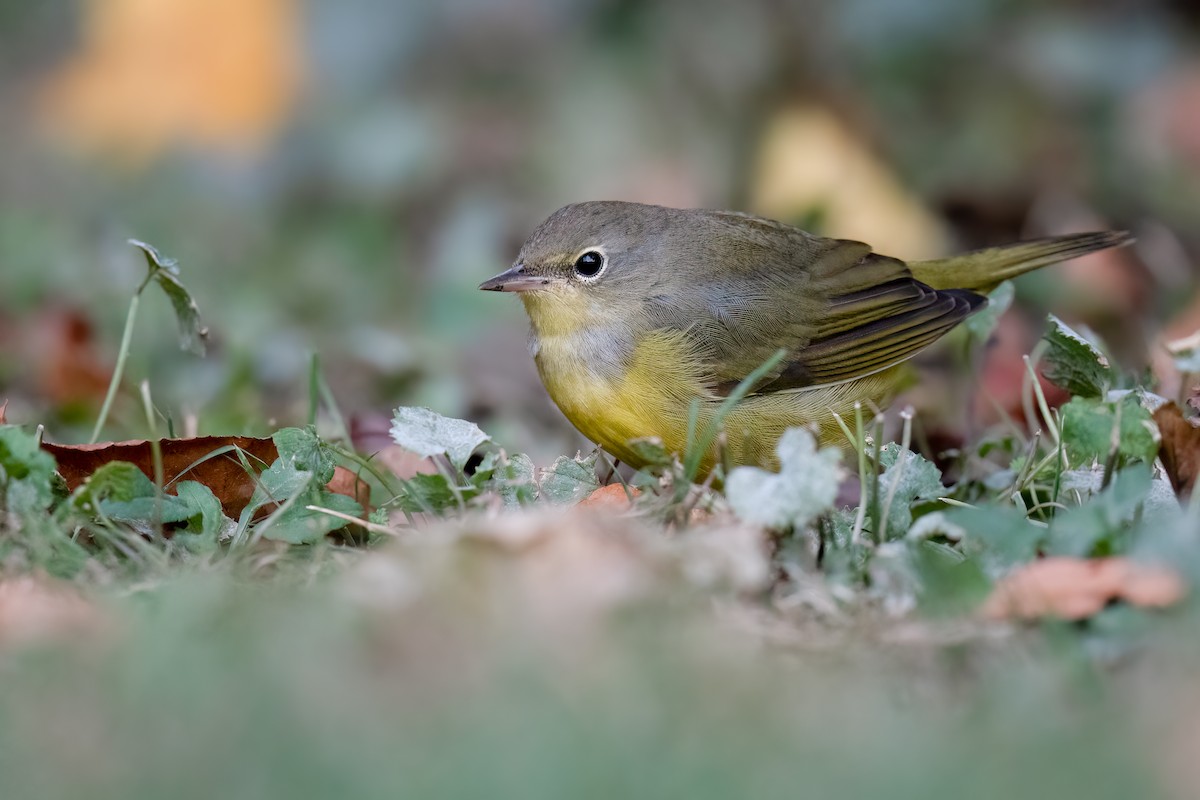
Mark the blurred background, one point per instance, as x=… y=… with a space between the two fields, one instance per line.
x=338 y=177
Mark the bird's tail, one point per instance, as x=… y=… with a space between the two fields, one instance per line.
x=983 y=270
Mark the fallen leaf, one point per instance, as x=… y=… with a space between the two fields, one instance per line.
x=613 y=497
x=215 y=73
x=1077 y=588
x=1179 y=448
x=224 y=474
x=348 y=483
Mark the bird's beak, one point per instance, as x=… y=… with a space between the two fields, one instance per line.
x=514 y=280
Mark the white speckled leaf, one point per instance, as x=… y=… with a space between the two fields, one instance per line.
x=428 y=433
x=804 y=488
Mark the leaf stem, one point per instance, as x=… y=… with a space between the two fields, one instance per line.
x=115 y=381
x=155 y=454
x=902 y=464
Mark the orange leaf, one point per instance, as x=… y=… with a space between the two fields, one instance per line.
x=149 y=74
x=1077 y=588
x=613 y=497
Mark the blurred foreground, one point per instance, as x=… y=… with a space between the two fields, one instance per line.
x=564 y=657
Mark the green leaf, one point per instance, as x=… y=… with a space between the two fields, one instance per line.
x=804 y=488
x=514 y=480
x=951 y=585
x=302 y=448
x=651 y=451
x=426 y=493
x=165 y=271
x=982 y=323
x=569 y=480
x=280 y=481
x=26 y=472
x=1089 y=427
x=1098 y=526
x=298 y=525
x=208 y=524
x=119 y=481
x=1075 y=363
x=125 y=494
x=915 y=480
x=428 y=433
x=1000 y=538
x=146 y=509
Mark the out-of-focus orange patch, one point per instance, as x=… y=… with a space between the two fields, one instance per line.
x=613 y=497
x=1077 y=588
x=219 y=74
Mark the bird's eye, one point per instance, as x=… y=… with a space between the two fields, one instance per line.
x=589 y=264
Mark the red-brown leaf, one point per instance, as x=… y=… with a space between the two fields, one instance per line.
x=1179 y=448
x=224 y=474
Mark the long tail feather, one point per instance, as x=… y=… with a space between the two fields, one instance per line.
x=982 y=270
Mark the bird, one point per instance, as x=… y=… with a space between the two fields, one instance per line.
x=645 y=318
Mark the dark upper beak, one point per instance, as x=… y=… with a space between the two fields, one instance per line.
x=514 y=280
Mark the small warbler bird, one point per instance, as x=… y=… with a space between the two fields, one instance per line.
x=640 y=311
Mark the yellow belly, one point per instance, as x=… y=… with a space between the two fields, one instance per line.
x=653 y=396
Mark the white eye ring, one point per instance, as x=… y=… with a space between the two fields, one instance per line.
x=590 y=264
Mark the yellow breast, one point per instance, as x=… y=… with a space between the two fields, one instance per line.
x=654 y=393
x=649 y=397
x=617 y=390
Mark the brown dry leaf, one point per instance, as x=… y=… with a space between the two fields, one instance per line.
x=1179 y=448
x=811 y=160
x=224 y=474
x=348 y=483
x=148 y=74
x=613 y=497
x=3 y=408
x=1077 y=588
x=35 y=609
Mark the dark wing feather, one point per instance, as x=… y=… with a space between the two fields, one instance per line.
x=842 y=311
x=878 y=343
